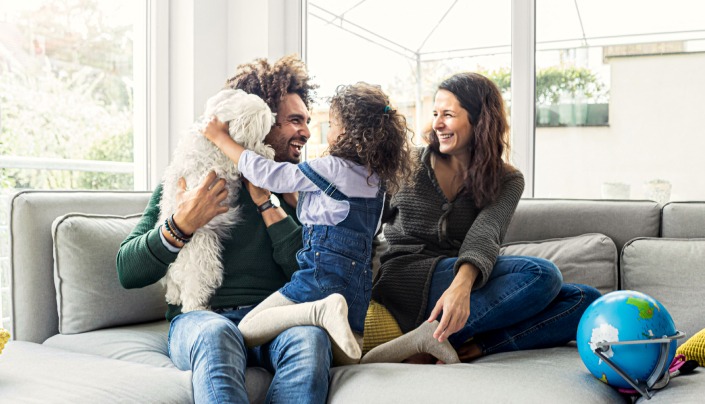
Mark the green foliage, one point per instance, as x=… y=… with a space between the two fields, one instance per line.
x=553 y=83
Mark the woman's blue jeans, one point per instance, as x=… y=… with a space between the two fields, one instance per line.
x=523 y=305
x=211 y=346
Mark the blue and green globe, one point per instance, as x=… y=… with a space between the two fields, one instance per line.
x=625 y=315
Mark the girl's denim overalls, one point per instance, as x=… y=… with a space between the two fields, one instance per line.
x=337 y=259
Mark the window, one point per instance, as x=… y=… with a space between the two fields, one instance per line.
x=67 y=96
x=406 y=47
x=619 y=96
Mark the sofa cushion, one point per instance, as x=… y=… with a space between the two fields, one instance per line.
x=589 y=259
x=555 y=375
x=671 y=271
x=146 y=344
x=539 y=219
x=88 y=293
x=683 y=220
x=141 y=343
x=33 y=373
x=33 y=309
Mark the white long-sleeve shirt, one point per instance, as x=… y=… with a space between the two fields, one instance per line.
x=318 y=208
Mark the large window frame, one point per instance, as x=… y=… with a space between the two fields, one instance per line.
x=523 y=77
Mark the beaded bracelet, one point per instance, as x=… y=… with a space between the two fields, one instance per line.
x=176 y=229
x=173 y=234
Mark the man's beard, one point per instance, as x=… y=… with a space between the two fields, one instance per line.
x=282 y=149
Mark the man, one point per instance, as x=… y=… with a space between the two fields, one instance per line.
x=258 y=258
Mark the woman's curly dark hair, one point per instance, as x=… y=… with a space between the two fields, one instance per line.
x=489 y=143
x=374 y=134
x=287 y=75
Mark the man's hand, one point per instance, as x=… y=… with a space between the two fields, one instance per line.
x=454 y=303
x=200 y=205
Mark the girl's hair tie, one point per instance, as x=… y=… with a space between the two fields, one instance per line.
x=387 y=109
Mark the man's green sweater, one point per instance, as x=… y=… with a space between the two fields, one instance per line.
x=257 y=260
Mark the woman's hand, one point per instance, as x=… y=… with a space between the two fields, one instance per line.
x=454 y=303
x=216 y=131
x=200 y=205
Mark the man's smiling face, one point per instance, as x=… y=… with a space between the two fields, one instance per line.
x=290 y=132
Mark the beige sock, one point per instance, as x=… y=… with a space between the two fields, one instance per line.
x=417 y=341
x=277 y=313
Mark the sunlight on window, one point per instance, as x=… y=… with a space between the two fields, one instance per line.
x=66 y=101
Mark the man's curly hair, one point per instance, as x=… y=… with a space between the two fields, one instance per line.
x=271 y=82
x=374 y=134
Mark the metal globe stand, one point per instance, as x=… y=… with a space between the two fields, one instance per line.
x=655 y=380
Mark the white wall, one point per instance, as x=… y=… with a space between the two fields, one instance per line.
x=206 y=41
x=656 y=132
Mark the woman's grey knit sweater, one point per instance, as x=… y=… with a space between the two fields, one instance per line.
x=425 y=227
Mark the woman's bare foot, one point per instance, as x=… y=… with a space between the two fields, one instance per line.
x=469 y=351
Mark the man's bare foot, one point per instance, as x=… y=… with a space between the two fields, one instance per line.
x=469 y=351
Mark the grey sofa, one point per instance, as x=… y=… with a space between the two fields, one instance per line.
x=79 y=337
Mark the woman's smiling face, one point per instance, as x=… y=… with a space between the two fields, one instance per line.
x=451 y=123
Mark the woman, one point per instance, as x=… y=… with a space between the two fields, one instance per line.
x=445 y=232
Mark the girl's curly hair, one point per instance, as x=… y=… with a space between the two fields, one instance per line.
x=374 y=134
x=489 y=143
x=287 y=75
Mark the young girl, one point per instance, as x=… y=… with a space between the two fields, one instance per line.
x=341 y=197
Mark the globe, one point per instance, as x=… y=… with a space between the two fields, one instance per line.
x=625 y=315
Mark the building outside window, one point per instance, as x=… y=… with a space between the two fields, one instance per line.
x=620 y=93
x=619 y=84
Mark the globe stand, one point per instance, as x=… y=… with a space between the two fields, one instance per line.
x=645 y=388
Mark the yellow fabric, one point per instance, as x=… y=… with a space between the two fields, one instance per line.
x=4 y=337
x=694 y=348
x=380 y=327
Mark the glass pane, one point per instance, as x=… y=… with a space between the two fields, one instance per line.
x=384 y=43
x=66 y=93
x=619 y=99
x=66 y=100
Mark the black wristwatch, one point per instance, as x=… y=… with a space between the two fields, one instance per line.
x=272 y=202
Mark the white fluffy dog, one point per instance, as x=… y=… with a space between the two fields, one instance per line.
x=198 y=270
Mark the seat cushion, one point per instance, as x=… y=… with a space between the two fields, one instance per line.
x=31 y=372
x=145 y=344
x=671 y=271
x=554 y=375
x=589 y=259
x=88 y=293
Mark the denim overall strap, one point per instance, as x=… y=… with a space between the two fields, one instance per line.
x=325 y=186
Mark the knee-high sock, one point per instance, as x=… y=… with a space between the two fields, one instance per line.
x=419 y=340
x=277 y=313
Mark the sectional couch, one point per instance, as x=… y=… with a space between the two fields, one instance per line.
x=80 y=337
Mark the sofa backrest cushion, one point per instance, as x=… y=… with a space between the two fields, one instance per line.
x=589 y=259
x=34 y=313
x=671 y=271
x=683 y=220
x=88 y=294
x=541 y=219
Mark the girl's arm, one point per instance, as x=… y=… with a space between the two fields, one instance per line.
x=217 y=132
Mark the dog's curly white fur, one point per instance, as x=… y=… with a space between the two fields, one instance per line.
x=198 y=270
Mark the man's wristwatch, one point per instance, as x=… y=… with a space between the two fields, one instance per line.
x=272 y=202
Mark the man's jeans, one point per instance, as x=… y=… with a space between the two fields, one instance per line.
x=211 y=346
x=524 y=305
